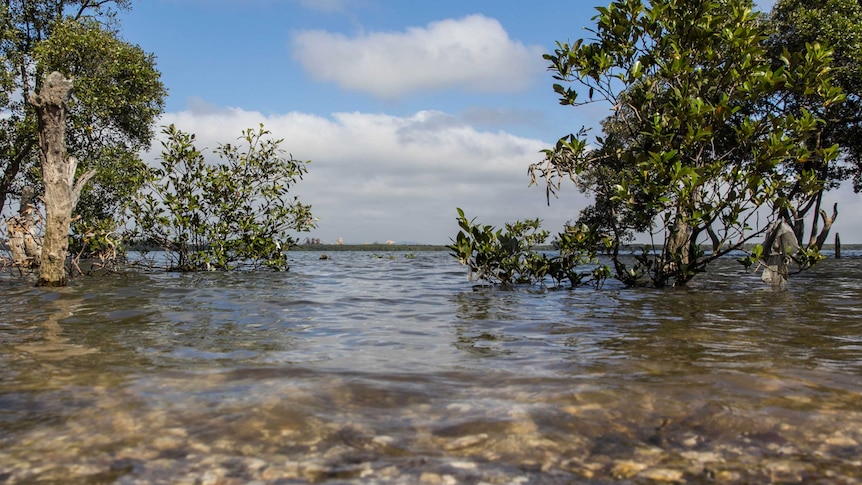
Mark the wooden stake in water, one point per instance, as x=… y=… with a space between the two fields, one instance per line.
x=837 y=246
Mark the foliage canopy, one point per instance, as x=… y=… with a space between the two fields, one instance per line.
x=702 y=144
x=117 y=97
x=221 y=215
x=838 y=25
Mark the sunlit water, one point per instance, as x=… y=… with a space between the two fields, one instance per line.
x=392 y=368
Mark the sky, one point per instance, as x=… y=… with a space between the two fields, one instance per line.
x=406 y=110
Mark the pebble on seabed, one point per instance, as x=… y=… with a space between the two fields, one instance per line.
x=522 y=448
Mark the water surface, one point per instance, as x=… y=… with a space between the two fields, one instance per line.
x=392 y=368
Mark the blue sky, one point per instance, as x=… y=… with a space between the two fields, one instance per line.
x=407 y=110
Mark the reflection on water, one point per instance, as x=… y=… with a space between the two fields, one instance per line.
x=395 y=370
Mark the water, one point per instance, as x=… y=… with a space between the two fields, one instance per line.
x=392 y=368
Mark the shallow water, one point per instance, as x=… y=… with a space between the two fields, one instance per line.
x=390 y=368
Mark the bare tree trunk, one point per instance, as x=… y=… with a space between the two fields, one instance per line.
x=58 y=174
x=779 y=246
x=676 y=253
x=24 y=243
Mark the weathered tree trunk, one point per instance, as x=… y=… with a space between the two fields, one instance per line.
x=58 y=175
x=780 y=245
x=676 y=253
x=24 y=242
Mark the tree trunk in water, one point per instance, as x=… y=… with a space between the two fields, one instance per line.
x=58 y=174
x=24 y=242
x=676 y=253
x=779 y=246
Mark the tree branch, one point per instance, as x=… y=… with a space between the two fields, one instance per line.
x=827 y=225
x=12 y=171
x=79 y=185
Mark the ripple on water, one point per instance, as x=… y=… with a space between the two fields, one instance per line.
x=372 y=368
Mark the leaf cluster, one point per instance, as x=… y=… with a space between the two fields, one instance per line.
x=836 y=24
x=509 y=256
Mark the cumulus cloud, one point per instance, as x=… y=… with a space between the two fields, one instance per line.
x=377 y=177
x=502 y=116
x=473 y=53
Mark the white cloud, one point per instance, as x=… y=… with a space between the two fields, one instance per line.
x=376 y=177
x=473 y=53
x=499 y=116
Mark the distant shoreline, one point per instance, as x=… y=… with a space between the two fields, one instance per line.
x=369 y=247
x=422 y=247
x=440 y=247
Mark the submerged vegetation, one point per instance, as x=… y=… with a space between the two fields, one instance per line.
x=512 y=255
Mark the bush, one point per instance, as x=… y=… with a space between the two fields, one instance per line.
x=220 y=216
x=510 y=257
